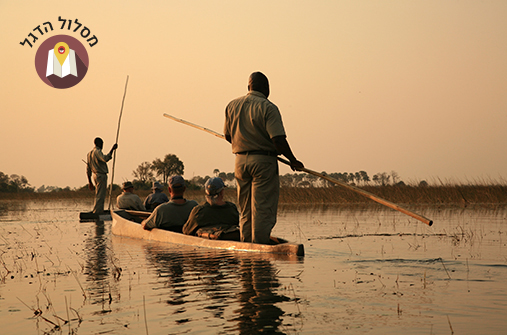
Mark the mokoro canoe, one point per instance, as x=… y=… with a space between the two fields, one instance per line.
x=124 y=225
x=90 y=216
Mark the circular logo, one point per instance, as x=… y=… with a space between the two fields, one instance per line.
x=61 y=61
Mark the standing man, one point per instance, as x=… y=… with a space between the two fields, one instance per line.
x=253 y=125
x=97 y=163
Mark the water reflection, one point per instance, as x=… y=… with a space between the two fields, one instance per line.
x=12 y=207
x=237 y=290
x=258 y=312
x=98 y=268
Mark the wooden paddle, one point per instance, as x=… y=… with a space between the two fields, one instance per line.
x=332 y=180
x=117 y=135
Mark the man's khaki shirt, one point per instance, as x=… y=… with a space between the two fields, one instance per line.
x=252 y=121
x=97 y=162
x=128 y=200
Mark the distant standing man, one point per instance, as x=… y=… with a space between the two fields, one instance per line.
x=253 y=125
x=97 y=163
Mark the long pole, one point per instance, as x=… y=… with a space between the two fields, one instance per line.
x=116 y=142
x=333 y=180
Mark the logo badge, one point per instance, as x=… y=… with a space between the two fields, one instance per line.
x=61 y=61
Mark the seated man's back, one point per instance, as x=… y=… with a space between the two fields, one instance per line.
x=216 y=218
x=128 y=200
x=207 y=215
x=155 y=198
x=169 y=216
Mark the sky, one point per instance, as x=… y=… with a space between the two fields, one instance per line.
x=417 y=87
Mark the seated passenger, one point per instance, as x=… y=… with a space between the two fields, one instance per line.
x=128 y=200
x=171 y=215
x=216 y=218
x=156 y=197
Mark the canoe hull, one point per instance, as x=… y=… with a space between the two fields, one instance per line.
x=123 y=227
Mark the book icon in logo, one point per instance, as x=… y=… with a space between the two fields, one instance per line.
x=61 y=61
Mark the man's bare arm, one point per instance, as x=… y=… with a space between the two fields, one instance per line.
x=282 y=146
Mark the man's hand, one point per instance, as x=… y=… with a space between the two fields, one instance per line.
x=143 y=224
x=296 y=165
x=282 y=146
x=115 y=146
x=91 y=187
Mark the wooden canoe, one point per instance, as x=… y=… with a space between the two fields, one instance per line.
x=124 y=225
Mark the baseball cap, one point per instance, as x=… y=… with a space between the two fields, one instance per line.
x=214 y=185
x=176 y=181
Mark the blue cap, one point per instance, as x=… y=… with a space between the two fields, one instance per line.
x=214 y=186
x=176 y=181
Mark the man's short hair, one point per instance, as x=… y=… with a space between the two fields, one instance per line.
x=259 y=82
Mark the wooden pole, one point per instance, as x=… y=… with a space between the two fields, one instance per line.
x=333 y=180
x=116 y=142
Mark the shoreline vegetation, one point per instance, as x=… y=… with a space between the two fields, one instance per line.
x=456 y=195
x=295 y=188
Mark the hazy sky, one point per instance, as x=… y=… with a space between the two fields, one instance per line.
x=418 y=87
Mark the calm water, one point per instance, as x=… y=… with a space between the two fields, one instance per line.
x=365 y=271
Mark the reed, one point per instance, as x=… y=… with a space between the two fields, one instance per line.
x=460 y=195
x=445 y=194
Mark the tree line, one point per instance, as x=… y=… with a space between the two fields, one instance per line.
x=14 y=183
x=161 y=169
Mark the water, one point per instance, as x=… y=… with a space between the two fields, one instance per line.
x=366 y=270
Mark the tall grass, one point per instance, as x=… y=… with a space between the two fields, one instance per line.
x=461 y=195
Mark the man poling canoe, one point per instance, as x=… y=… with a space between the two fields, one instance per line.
x=254 y=127
x=334 y=181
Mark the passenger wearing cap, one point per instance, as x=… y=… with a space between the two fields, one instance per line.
x=253 y=125
x=216 y=218
x=157 y=197
x=128 y=200
x=171 y=215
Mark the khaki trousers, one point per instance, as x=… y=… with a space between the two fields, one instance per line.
x=100 y=192
x=258 y=192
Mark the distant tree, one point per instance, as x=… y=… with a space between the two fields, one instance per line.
x=395 y=177
x=171 y=165
x=14 y=183
x=423 y=183
x=198 y=181
x=357 y=177
x=382 y=179
x=143 y=173
x=364 y=177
